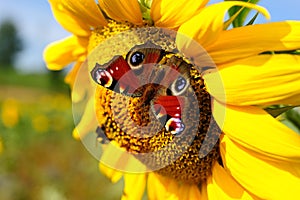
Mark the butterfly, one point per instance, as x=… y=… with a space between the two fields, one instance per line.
x=149 y=72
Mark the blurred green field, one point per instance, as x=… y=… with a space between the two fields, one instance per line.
x=39 y=159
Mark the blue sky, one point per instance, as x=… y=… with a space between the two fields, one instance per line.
x=37 y=26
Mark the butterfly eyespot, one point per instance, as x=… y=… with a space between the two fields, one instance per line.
x=175 y=126
x=179 y=86
x=103 y=77
x=136 y=59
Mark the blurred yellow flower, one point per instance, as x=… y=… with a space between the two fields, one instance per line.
x=1 y=145
x=40 y=123
x=258 y=153
x=10 y=113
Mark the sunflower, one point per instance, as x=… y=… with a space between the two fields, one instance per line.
x=256 y=157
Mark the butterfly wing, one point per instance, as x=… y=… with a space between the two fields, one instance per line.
x=116 y=75
x=125 y=76
x=169 y=109
x=144 y=65
x=169 y=105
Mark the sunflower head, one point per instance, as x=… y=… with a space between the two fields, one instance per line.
x=151 y=100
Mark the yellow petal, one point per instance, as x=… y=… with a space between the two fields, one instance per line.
x=221 y=185
x=87 y=123
x=194 y=193
x=77 y=16
x=61 y=53
x=258 y=80
x=206 y=27
x=71 y=76
x=190 y=192
x=162 y=188
x=248 y=41
x=121 y=159
x=112 y=174
x=135 y=185
x=81 y=84
x=259 y=132
x=173 y=13
x=264 y=178
x=203 y=189
x=119 y=10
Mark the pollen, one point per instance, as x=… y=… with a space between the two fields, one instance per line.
x=163 y=37
x=102 y=33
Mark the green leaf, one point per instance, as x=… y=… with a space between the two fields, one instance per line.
x=294 y=116
x=276 y=111
x=239 y=20
x=146 y=3
x=232 y=18
x=145 y=6
x=251 y=22
x=296 y=52
x=290 y=124
x=293 y=52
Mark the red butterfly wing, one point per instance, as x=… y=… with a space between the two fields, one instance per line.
x=171 y=107
x=116 y=75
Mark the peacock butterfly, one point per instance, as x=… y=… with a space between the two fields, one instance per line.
x=144 y=64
